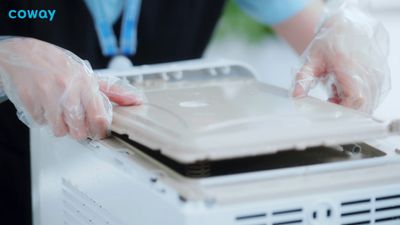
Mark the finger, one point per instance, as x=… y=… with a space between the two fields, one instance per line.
x=335 y=96
x=351 y=91
x=98 y=114
x=55 y=118
x=60 y=125
x=54 y=114
x=75 y=120
x=120 y=93
x=35 y=109
x=74 y=113
x=305 y=80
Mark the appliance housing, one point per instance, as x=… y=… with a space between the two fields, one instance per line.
x=202 y=173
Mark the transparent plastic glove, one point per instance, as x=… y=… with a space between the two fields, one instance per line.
x=349 y=56
x=51 y=86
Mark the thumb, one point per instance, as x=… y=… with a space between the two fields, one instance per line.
x=119 y=92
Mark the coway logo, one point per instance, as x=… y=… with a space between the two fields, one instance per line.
x=32 y=14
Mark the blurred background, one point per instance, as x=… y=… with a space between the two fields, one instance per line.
x=239 y=37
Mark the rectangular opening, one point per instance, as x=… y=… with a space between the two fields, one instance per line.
x=283 y=159
x=388 y=219
x=388 y=197
x=251 y=216
x=366 y=222
x=286 y=211
x=289 y=222
x=388 y=208
x=356 y=213
x=356 y=202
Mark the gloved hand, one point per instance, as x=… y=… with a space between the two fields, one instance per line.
x=51 y=86
x=349 y=55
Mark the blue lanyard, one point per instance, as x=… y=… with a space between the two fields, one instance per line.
x=106 y=34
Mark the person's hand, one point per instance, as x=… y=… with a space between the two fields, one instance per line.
x=349 y=55
x=51 y=86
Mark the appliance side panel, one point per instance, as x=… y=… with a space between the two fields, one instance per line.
x=90 y=190
x=46 y=186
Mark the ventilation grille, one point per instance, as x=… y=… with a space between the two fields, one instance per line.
x=292 y=216
x=377 y=210
x=80 y=209
x=387 y=208
x=357 y=212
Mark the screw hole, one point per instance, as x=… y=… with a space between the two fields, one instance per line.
x=314 y=215
x=329 y=213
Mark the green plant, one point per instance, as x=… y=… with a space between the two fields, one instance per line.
x=235 y=22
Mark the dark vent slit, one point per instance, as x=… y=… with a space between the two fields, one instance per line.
x=254 y=216
x=388 y=208
x=387 y=197
x=387 y=219
x=287 y=211
x=355 y=213
x=288 y=222
x=356 y=202
x=358 y=223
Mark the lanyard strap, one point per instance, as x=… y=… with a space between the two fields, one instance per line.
x=106 y=34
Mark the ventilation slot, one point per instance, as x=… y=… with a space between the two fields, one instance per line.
x=292 y=216
x=80 y=209
x=252 y=219
x=356 y=212
x=387 y=209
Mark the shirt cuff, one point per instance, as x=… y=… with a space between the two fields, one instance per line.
x=272 y=12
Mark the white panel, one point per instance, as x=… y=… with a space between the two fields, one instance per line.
x=203 y=116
